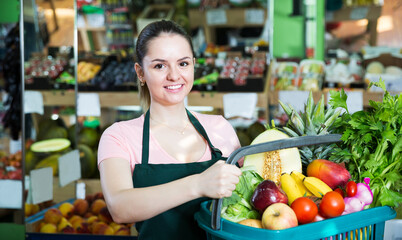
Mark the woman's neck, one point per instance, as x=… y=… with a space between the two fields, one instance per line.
x=170 y=115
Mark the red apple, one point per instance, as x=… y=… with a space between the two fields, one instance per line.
x=279 y=216
x=267 y=193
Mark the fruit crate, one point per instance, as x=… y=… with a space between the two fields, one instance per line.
x=363 y=225
x=32 y=222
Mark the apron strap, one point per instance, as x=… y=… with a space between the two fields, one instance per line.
x=145 y=137
x=215 y=151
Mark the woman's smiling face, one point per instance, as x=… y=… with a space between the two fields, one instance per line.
x=168 y=69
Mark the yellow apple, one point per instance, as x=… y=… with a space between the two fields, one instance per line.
x=279 y=216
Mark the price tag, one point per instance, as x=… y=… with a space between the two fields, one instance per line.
x=254 y=16
x=359 y=13
x=216 y=17
x=11 y=194
x=33 y=102
x=41 y=185
x=239 y=105
x=69 y=167
x=15 y=146
x=354 y=101
x=297 y=99
x=80 y=190
x=88 y=105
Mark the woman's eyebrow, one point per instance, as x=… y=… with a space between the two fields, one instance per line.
x=158 y=60
x=163 y=60
x=181 y=59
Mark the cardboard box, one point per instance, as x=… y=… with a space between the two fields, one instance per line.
x=154 y=13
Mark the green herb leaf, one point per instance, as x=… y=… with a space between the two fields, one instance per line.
x=338 y=99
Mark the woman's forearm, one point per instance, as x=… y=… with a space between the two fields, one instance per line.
x=127 y=204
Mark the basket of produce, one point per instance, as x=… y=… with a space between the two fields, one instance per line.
x=325 y=175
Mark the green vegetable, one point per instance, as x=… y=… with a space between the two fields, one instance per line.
x=237 y=207
x=372 y=144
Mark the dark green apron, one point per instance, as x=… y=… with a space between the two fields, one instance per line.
x=177 y=223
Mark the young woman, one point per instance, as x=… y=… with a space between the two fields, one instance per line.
x=155 y=170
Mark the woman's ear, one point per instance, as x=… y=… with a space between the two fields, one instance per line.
x=139 y=71
x=194 y=61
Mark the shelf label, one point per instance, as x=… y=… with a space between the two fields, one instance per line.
x=359 y=13
x=69 y=167
x=88 y=104
x=254 y=16
x=41 y=188
x=33 y=102
x=15 y=146
x=239 y=105
x=297 y=99
x=11 y=194
x=216 y=17
x=80 y=190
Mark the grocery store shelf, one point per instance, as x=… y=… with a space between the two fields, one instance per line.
x=370 y=12
x=367 y=96
x=232 y=18
x=115 y=99
x=101 y=29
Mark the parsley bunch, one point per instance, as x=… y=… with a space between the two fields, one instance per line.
x=372 y=144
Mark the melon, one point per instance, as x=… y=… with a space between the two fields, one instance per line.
x=50 y=161
x=375 y=67
x=51 y=145
x=88 y=161
x=89 y=136
x=270 y=165
x=53 y=132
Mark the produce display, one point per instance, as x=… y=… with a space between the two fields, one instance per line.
x=360 y=172
x=86 y=71
x=113 y=75
x=311 y=75
x=40 y=66
x=84 y=216
x=284 y=76
x=10 y=166
x=391 y=74
x=54 y=139
x=239 y=69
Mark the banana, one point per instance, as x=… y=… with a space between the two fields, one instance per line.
x=289 y=186
x=298 y=177
x=316 y=186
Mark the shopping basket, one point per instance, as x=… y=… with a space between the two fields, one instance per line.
x=362 y=225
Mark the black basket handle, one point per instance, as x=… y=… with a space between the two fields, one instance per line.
x=266 y=147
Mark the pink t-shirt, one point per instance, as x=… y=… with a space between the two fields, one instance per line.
x=124 y=140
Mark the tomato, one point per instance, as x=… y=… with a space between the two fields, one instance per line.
x=351 y=189
x=332 y=205
x=306 y=210
x=340 y=191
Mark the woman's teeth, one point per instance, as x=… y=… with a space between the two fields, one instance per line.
x=174 y=87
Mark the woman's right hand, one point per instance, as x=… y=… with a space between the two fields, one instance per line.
x=218 y=181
